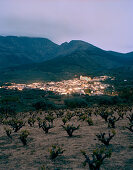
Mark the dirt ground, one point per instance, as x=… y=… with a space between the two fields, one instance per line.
x=15 y=156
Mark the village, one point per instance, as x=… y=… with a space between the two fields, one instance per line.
x=81 y=85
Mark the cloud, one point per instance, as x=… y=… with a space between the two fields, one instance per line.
x=104 y=23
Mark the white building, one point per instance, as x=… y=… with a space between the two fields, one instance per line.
x=85 y=78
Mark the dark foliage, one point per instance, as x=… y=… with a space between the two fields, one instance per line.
x=8 y=132
x=70 y=129
x=104 y=138
x=31 y=121
x=23 y=136
x=112 y=120
x=16 y=124
x=55 y=151
x=75 y=102
x=98 y=157
x=43 y=105
x=46 y=126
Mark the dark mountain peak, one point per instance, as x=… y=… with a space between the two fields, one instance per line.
x=82 y=43
x=41 y=59
x=15 y=50
x=64 y=44
x=79 y=42
x=76 y=42
x=76 y=45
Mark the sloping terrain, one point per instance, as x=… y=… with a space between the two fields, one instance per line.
x=24 y=48
x=63 y=67
x=25 y=59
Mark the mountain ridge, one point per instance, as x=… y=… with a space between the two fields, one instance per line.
x=36 y=50
x=41 y=59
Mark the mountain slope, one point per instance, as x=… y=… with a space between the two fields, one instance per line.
x=62 y=67
x=126 y=58
x=38 y=59
x=25 y=50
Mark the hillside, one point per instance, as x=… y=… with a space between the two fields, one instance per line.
x=25 y=50
x=25 y=59
x=62 y=67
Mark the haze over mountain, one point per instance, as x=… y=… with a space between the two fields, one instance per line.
x=106 y=23
x=41 y=59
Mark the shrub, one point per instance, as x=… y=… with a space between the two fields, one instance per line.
x=46 y=126
x=31 y=121
x=23 y=136
x=126 y=93
x=1 y=119
x=109 y=100
x=64 y=120
x=59 y=114
x=69 y=115
x=121 y=114
x=40 y=105
x=8 y=110
x=98 y=156
x=16 y=124
x=55 y=151
x=104 y=138
x=111 y=121
x=8 y=132
x=130 y=118
x=43 y=105
x=89 y=121
x=70 y=129
x=83 y=117
x=49 y=118
x=105 y=115
x=39 y=122
x=75 y=102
